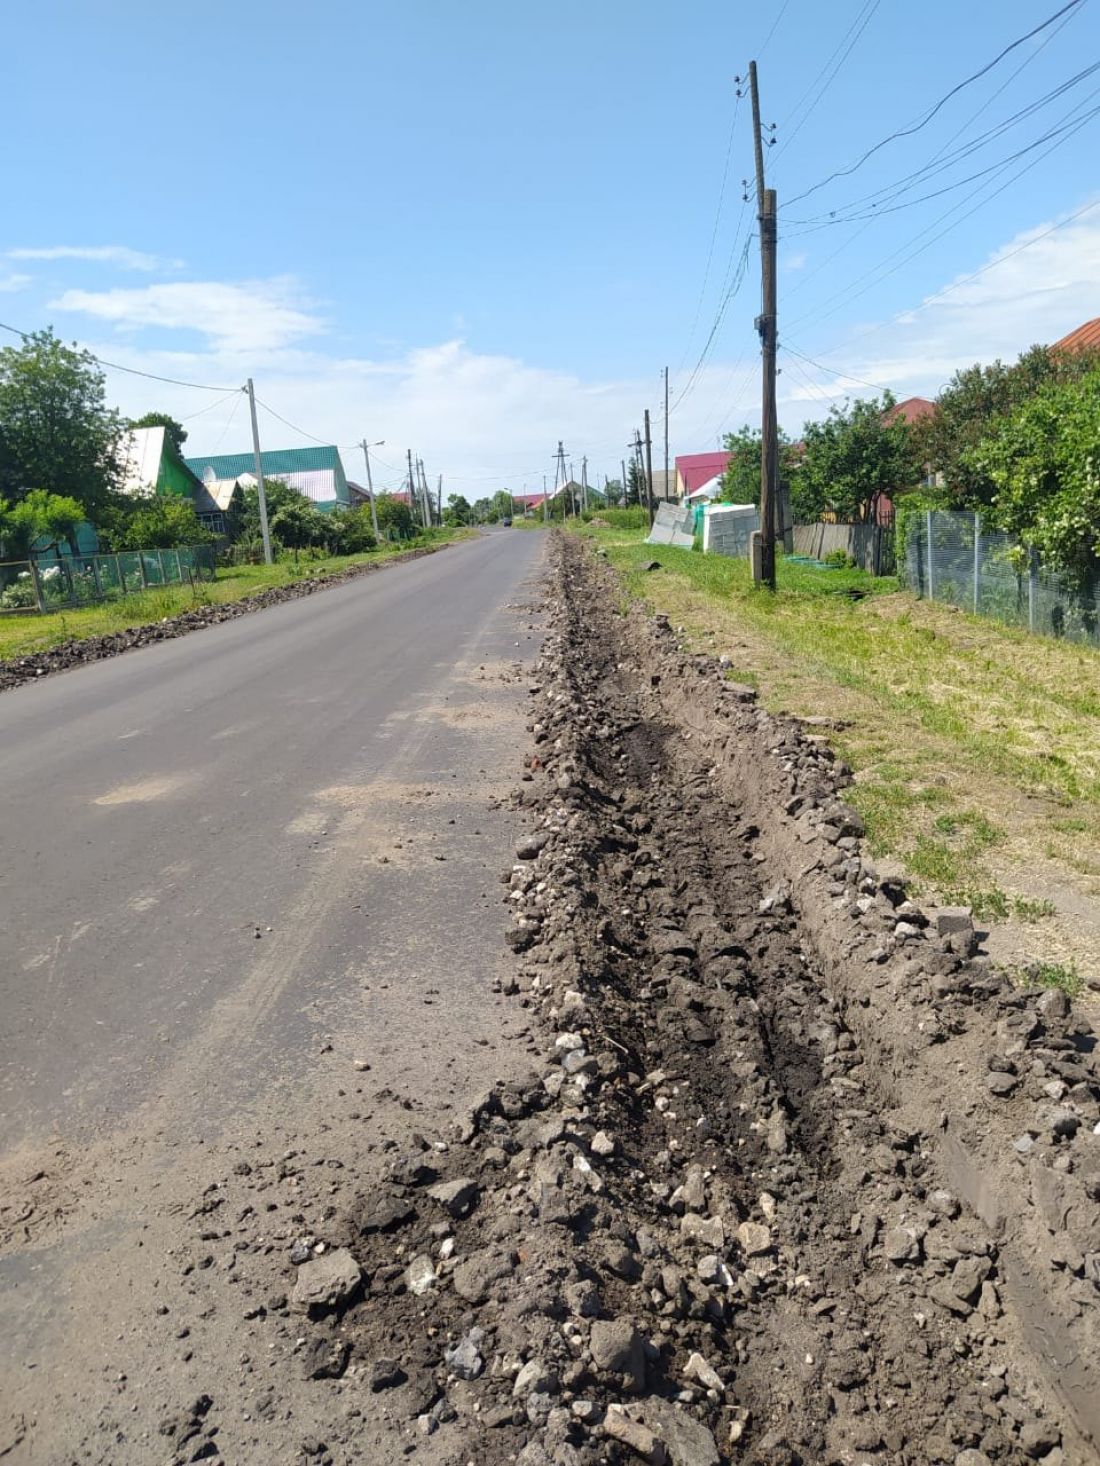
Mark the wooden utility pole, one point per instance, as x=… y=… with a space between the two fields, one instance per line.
x=559 y=472
x=648 y=467
x=626 y=496
x=412 y=483
x=545 y=512
x=439 y=498
x=584 y=483
x=766 y=325
x=666 y=433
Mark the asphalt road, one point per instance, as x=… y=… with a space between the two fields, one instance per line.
x=190 y=834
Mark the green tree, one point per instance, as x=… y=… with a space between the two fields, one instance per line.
x=1043 y=461
x=741 y=480
x=39 y=515
x=855 y=455
x=157 y=522
x=175 y=432
x=395 y=519
x=56 y=431
x=350 y=531
x=458 y=510
x=635 y=483
x=972 y=403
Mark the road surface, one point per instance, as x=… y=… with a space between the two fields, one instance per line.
x=240 y=867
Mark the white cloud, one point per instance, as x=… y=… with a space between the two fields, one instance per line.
x=107 y=254
x=485 y=420
x=251 y=317
x=1041 y=284
x=10 y=283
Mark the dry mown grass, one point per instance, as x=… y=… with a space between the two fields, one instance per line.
x=976 y=748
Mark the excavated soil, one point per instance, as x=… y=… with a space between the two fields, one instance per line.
x=796 y=1178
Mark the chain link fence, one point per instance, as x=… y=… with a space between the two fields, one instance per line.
x=83 y=580
x=951 y=556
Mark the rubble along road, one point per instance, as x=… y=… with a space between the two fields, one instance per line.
x=791 y=1175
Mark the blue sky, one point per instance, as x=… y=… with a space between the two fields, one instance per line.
x=474 y=229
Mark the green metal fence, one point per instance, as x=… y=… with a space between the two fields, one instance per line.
x=83 y=580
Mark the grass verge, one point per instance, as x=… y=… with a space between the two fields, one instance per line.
x=976 y=748
x=22 y=635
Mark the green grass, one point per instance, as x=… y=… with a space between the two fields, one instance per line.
x=1051 y=975
x=976 y=748
x=22 y=635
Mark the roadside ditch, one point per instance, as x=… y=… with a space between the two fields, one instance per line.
x=798 y=1179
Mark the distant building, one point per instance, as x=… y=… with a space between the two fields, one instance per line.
x=693 y=470
x=1085 y=338
x=317 y=473
x=151 y=465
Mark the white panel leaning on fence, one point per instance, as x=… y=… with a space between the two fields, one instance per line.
x=951 y=556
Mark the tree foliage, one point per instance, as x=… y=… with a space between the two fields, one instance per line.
x=856 y=454
x=155 y=522
x=38 y=515
x=1042 y=462
x=395 y=518
x=56 y=431
x=740 y=482
x=175 y=433
x=970 y=407
x=458 y=510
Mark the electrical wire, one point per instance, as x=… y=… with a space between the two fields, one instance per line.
x=965 y=279
x=833 y=371
x=714 y=232
x=323 y=442
x=738 y=280
x=926 y=117
x=893 y=191
x=862 y=21
x=775 y=27
x=858 y=288
x=132 y=371
x=804 y=280
x=210 y=406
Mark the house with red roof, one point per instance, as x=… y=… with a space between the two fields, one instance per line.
x=694 y=470
x=1085 y=338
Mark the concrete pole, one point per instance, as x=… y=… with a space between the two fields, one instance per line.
x=259 y=469
x=370 y=491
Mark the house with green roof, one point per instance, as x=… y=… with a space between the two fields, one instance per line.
x=152 y=465
x=317 y=473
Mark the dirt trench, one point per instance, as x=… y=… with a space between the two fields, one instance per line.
x=793 y=1180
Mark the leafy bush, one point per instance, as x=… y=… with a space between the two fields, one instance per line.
x=635 y=516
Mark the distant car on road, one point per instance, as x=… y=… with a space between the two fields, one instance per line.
x=506 y=524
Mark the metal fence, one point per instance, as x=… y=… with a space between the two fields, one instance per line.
x=83 y=580
x=950 y=556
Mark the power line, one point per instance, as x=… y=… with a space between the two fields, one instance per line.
x=892 y=191
x=738 y=279
x=775 y=26
x=833 y=371
x=862 y=21
x=926 y=117
x=805 y=279
x=858 y=288
x=323 y=442
x=714 y=231
x=132 y=371
x=966 y=279
x=210 y=406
